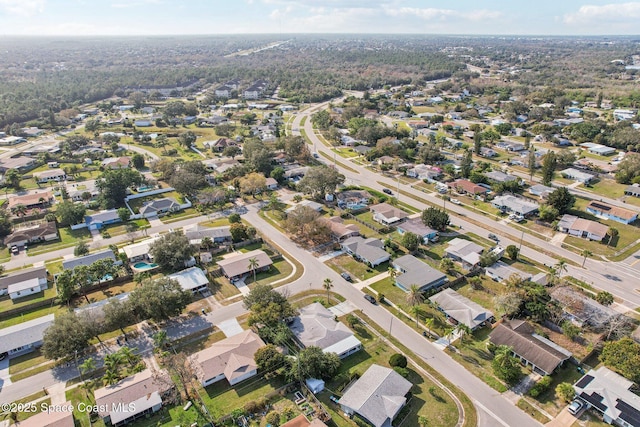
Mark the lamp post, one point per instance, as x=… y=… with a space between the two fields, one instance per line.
x=521 y=238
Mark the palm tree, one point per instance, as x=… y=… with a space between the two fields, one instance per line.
x=393 y=273
x=448 y=331
x=585 y=253
x=110 y=378
x=464 y=330
x=415 y=297
x=128 y=355
x=88 y=365
x=112 y=362
x=253 y=265
x=207 y=242
x=560 y=268
x=328 y=284
x=428 y=322
x=19 y=210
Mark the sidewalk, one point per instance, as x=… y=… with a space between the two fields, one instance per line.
x=363 y=284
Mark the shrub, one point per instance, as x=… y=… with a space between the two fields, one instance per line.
x=172 y=152
x=234 y=218
x=398 y=359
x=273 y=418
x=540 y=387
x=402 y=371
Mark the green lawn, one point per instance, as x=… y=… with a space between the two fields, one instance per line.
x=346 y=263
x=7 y=303
x=30 y=315
x=606 y=187
x=531 y=410
x=26 y=361
x=548 y=400
x=83 y=393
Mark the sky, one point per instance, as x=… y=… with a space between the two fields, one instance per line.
x=172 y=17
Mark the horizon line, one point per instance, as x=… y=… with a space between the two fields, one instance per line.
x=320 y=34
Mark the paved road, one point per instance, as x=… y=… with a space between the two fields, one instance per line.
x=617 y=278
x=495 y=409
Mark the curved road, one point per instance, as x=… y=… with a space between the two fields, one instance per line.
x=615 y=277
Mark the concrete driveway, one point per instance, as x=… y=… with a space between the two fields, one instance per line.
x=564 y=419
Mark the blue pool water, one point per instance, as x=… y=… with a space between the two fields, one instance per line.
x=144 y=188
x=144 y=265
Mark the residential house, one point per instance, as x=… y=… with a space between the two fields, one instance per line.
x=24 y=337
x=377 y=396
x=541 y=354
x=362 y=149
x=196 y=232
x=370 y=251
x=32 y=132
x=541 y=191
x=25 y=288
x=72 y=263
x=231 y=359
x=140 y=251
x=56 y=415
x=385 y=160
x=416 y=226
x=351 y=199
x=301 y=421
x=295 y=173
x=130 y=398
x=611 y=395
x=464 y=251
x=159 y=207
x=464 y=186
x=577 y=175
x=142 y=123
x=423 y=172
x=95 y=311
x=510 y=146
x=223 y=91
x=632 y=190
x=306 y=203
x=498 y=176
x=601 y=150
x=606 y=211
x=517 y=205
x=32 y=200
x=12 y=140
x=581 y=309
x=487 y=152
x=580 y=227
x=20 y=163
x=255 y=91
x=50 y=175
x=316 y=326
x=412 y=271
x=501 y=271
x=39 y=273
x=219 y=144
x=271 y=184
x=192 y=279
x=339 y=230
x=620 y=114
x=461 y=309
x=102 y=219
x=116 y=162
x=236 y=266
x=41 y=232
x=387 y=215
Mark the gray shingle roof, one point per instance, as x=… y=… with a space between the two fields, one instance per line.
x=315 y=326
x=378 y=395
x=461 y=308
x=70 y=264
x=25 y=333
x=40 y=273
x=368 y=249
x=416 y=272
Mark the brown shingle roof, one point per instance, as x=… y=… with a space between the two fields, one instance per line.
x=51 y=418
x=611 y=210
x=232 y=356
x=519 y=335
x=29 y=199
x=126 y=391
x=467 y=186
x=339 y=229
x=42 y=230
x=239 y=264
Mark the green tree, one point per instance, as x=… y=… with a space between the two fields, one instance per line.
x=124 y=214
x=6 y=225
x=613 y=233
x=70 y=213
x=137 y=160
x=466 y=164
x=269 y=358
x=435 y=218
x=12 y=177
x=81 y=249
x=398 y=359
x=253 y=265
x=89 y=365
x=547 y=213
x=446 y=264
x=414 y=298
x=113 y=186
x=561 y=199
x=171 y=251
x=320 y=180
x=565 y=392
x=622 y=356
x=66 y=285
x=477 y=142
x=548 y=168
x=187 y=139
x=327 y=284
x=411 y=241
x=570 y=330
x=505 y=366
x=161 y=142
x=159 y=299
x=118 y=315
x=66 y=335
x=604 y=298
x=238 y=232
x=268 y=307
x=512 y=252
x=321 y=119
x=190 y=178
x=312 y=362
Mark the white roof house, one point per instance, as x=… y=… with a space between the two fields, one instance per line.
x=139 y=250
x=316 y=326
x=461 y=308
x=501 y=271
x=576 y=175
x=24 y=336
x=192 y=279
x=377 y=396
x=519 y=205
x=464 y=251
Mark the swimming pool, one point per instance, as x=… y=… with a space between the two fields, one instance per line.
x=144 y=188
x=144 y=265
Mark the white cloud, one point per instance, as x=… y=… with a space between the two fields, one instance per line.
x=608 y=13
x=23 y=7
x=436 y=14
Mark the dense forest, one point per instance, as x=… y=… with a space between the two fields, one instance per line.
x=41 y=75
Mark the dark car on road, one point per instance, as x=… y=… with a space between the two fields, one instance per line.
x=494 y=237
x=369 y=298
x=386 y=190
x=346 y=276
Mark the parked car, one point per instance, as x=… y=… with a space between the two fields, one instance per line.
x=494 y=237
x=387 y=191
x=15 y=250
x=346 y=276
x=455 y=201
x=369 y=298
x=575 y=406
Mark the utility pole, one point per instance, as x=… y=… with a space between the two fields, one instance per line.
x=521 y=238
